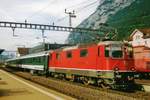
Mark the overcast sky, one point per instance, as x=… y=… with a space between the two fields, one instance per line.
x=43 y=12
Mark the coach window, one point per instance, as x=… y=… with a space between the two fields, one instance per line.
x=69 y=54
x=30 y=60
x=37 y=59
x=40 y=59
x=33 y=59
x=83 y=53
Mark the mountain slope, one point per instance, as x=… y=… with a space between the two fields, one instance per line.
x=125 y=15
x=137 y=15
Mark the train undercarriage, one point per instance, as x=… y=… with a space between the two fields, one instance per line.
x=107 y=80
x=110 y=79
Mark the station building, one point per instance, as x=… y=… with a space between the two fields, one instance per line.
x=140 y=37
x=140 y=40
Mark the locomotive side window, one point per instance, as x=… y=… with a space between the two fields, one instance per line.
x=50 y=56
x=69 y=54
x=57 y=56
x=83 y=53
x=98 y=51
x=107 y=51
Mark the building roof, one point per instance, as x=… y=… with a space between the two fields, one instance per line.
x=23 y=51
x=147 y=48
x=145 y=31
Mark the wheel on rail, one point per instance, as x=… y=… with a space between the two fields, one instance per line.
x=86 y=81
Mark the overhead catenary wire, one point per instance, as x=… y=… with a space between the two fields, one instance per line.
x=61 y=19
x=40 y=10
x=51 y=2
x=86 y=6
x=69 y=7
x=76 y=5
x=79 y=9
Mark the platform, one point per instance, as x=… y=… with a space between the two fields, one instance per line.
x=15 y=88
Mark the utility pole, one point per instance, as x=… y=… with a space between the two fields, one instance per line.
x=71 y=15
x=13 y=29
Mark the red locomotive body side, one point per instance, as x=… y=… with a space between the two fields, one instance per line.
x=75 y=62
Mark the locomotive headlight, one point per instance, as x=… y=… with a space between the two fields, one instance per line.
x=116 y=69
x=132 y=69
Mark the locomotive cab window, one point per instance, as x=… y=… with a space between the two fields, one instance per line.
x=117 y=54
x=69 y=54
x=116 y=51
x=83 y=53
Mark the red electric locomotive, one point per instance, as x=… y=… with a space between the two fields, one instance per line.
x=107 y=63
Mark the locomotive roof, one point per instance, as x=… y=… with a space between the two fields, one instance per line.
x=110 y=42
x=88 y=45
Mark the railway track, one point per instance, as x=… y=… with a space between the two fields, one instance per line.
x=145 y=84
x=81 y=91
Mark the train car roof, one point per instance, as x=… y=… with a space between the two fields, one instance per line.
x=39 y=54
x=110 y=42
x=88 y=45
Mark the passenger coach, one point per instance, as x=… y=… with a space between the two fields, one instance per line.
x=37 y=62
